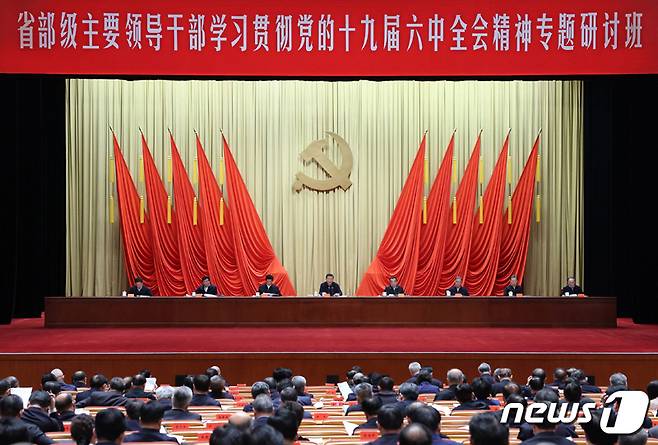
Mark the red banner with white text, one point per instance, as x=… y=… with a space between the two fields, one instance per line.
x=365 y=38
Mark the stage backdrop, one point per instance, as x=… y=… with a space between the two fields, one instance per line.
x=269 y=123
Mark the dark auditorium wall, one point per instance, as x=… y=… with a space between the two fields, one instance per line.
x=621 y=192
x=620 y=168
x=33 y=218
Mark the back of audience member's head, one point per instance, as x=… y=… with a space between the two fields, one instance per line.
x=53 y=388
x=182 y=397
x=109 y=425
x=455 y=377
x=464 y=393
x=640 y=437
x=424 y=375
x=117 y=384
x=390 y=418
x=486 y=429
x=415 y=434
x=426 y=415
x=4 y=387
x=13 y=381
x=78 y=376
x=10 y=406
x=63 y=402
x=481 y=388
x=40 y=398
x=134 y=408
x=217 y=383
x=189 y=382
x=510 y=388
x=299 y=382
x=263 y=404
x=572 y=392
x=283 y=384
x=559 y=374
x=409 y=391
x=97 y=381
x=652 y=389
x=13 y=432
x=484 y=368
x=536 y=383
x=281 y=374
x=618 y=379
x=139 y=381
x=296 y=408
x=266 y=435
x=201 y=383
x=503 y=373
x=593 y=432
x=82 y=429
x=516 y=398
x=374 y=378
x=547 y=395
x=48 y=377
x=539 y=373
x=240 y=420
x=210 y=372
x=363 y=391
x=165 y=392
x=285 y=422
x=151 y=413
x=386 y=383
x=371 y=406
x=229 y=435
x=359 y=377
x=408 y=412
x=259 y=388
x=288 y=394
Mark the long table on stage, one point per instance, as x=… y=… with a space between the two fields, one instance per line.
x=336 y=311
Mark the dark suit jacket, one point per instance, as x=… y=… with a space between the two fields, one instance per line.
x=388 y=397
x=305 y=400
x=331 y=290
x=513 y=289
x=104 y=398
x=368 y=425
x=179 y=414
x=273 y=289
x=166 y=404
x=41 y=419
x=35 y=435
x=221 y=395
x=144 y=291
x=149 y=435
x=446 y=394
x=403 y=404
x=428 y=388
x=203 y=400
x=488 y=378
x=390 y=290
x=137 y=393
x=67 y=387
x=475 y=405
x=386 y=439
x=562 y=430
x=212 y=290
x=132 y=425
x=438 y=440
x=260 y=421
x=64 y=416
x=571 y=290
x=454 y=290
x=354 y=408
x=548 y=437
x=497 y=388
x=79 y=397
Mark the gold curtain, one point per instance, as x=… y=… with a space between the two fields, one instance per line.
x=268 y=123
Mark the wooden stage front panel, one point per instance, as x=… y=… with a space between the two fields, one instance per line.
x=337 y=311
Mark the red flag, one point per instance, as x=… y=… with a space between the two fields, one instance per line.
x=485 y=245
x=433 y=235
x=191 y=247
x=455 y=258
x=218 y=241
x=398 y=252
x=164 y=244
x=514 y=244
x=253 y=251
x=135 y=234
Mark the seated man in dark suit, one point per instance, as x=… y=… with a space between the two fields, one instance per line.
x=485 y=373
x=409 y=395
x=290 y=395
x=269 y=289
x=59 y=375
x=563 y=430
x=113 y=397
x=137 y=390
x=503 y=377
x=10 y=412
x=464 y=395
x=98 y=383
x=486 y=429
x=65 y=409
x=37 y=413
x=304 y=398
x=559 y=378
x=218 y=388
x=482 y=391
x=457 y=289
x=389 y=422
x=180 y=404
x=573 y=393
x=206 y=288
x=150 y=422
x=393 y=289
x=362 y=391
x=133 y=410
x=580 y=377
x=201 y=389
x=571 y=289
x=164 y=394
x=263 y=408
x=329 y=288
x=386 y=392
x=110 y=427
x=257 y=389
x=545 y=432
x=79 y=379
x=371 y=408
x=139 y=289
x=424 y=382
x=415 y=434
x=454 y=377
x=513 y=289
x=431 y=418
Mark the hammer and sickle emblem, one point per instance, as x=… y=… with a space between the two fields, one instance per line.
x=338 y=177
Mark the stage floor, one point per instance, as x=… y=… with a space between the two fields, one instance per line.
x=30 y=336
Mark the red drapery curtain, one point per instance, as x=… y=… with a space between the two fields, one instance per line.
x=190 y=237
x=135 y=235
x=433 y=234
x=458 y=246
x=398 y=252
x=485 y=243
x=164 y=244
x=218 y=246
x=253 y=250
x=515 y=236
